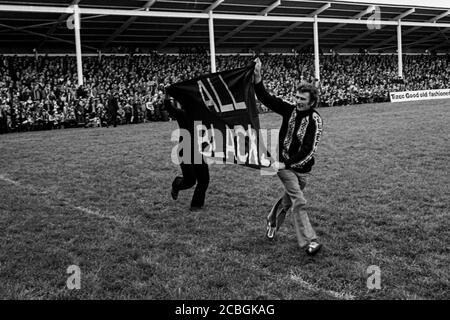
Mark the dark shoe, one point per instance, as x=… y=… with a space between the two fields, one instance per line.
x=280 y=218
x=313 y=248
x=195 y=208
x=174 y=194
x=274 y=223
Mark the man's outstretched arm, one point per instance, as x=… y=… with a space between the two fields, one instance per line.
x=273 y=103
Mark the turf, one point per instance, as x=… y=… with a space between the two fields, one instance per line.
x=99 y=198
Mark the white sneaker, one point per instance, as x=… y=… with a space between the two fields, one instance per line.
x=271 y=231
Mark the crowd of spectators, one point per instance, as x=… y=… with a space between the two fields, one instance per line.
x=42 y=93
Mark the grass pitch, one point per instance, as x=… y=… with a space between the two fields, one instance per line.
x=99 y=198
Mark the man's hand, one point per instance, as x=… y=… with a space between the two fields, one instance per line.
x=258 y=77
x=277 y=166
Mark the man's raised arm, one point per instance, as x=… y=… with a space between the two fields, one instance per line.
x=273 y=103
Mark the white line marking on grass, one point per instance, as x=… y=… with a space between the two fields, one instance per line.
x=98 y=213
x=2 y=177
x=338 y=295
x=95 y=212
x=299 y=280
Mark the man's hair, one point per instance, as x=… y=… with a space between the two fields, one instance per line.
x=313 y=93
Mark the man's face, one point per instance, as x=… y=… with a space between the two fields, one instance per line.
x=302 y=101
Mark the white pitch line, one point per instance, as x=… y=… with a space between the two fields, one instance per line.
x=2 y=177
x=338 y=295
x=299 y=280
x=98 y=213
x=122 y=221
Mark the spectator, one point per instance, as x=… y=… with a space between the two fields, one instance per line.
x=42 y=93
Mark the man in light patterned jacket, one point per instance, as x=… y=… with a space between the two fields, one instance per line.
x=299 y=136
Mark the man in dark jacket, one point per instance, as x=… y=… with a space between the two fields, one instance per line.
x=299 y=135
x=192 y=172
x=113 y=107
x=3 y=119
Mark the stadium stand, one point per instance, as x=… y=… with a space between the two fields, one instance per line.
x=42 y=93
x=129 y=51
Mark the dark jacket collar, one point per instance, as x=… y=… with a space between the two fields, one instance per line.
x=304 y=112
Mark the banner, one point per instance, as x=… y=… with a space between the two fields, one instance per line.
x=226 y=118
x=419 y=95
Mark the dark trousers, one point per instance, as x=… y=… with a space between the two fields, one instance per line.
x=4 y=125
x=193 y=173
x=128 y=118
x=113 y=119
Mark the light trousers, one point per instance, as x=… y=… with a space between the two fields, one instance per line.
x=293 y=199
